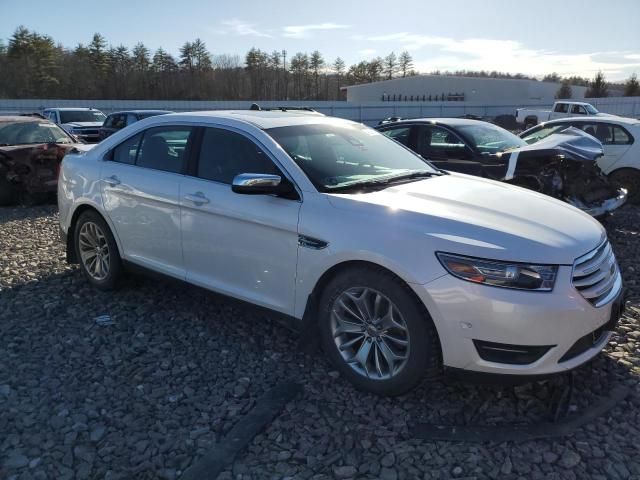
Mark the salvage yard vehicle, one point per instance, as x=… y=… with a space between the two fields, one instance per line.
x=31 y=149
x=398 y=268
x=83 y=123
x=529 y=117
x=619 y=137
x=118 y=120
x=563 y=166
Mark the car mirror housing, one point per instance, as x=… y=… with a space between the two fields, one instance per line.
x=261 y=184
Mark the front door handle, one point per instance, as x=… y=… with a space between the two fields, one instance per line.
x=112 y=181
x=197 y=198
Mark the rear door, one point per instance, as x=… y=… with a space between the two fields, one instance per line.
x=616 y=141
x=141 y=194
x=241 y=245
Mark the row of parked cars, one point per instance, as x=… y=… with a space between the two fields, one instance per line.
x=401 y=267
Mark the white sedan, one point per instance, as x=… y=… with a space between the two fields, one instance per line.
x=620 y=138
x=398 y=268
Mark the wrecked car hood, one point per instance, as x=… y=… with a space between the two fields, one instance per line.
x=562 y=165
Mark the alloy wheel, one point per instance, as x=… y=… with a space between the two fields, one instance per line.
x=94 y=250
x=370 y=333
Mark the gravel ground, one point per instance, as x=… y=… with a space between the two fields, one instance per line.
x=146 y=394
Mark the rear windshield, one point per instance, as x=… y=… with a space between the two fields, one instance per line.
x=24 y=133
x=72 y=116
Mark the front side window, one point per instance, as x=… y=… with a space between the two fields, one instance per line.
x=340 y=155
x=127 y=151
x=24 y=133
x=225 y=154
x=591 y=109
x=489 y=138
x=441 y=144
x=399 y=134
x=578 y=110
x=72 y=116
x=164 y=148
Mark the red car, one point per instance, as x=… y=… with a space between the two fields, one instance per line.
x=31 y=149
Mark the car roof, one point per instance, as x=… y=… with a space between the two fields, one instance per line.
x=74 y=109
x=120 y=112
x=260 y=118
x=454 y=122
x=596 y=119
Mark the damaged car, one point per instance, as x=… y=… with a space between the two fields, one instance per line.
x=563 y=165
x=31 y=150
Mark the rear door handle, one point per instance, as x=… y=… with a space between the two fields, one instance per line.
x=112 y=181
x=197 y=198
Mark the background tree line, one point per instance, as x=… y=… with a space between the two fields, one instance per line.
x=33 y=65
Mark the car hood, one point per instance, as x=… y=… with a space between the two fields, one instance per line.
x=82 y=124
x=478 y=217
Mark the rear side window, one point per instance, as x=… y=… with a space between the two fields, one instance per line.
x=164 y=148
x=400 y=134
x=562 y=108
x=126 y=152
x=225 y=154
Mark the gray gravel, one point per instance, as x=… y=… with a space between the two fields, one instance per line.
x=146 y=393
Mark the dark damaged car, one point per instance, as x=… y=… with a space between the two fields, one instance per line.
x=31 y=150
x=563 y=165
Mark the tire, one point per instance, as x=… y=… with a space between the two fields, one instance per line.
x=8 y=194
x=339 y=312
x=628 y=178
x=92 y=235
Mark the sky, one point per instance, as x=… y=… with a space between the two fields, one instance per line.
x=570 y=37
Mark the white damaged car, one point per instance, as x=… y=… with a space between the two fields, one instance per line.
x=401 y=269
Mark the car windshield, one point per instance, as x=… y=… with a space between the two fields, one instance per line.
x=489 y=138
x=591 y=109
x=24 y=133
x=335 y=156
x=72 y=116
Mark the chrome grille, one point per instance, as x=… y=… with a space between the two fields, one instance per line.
x=596 y=275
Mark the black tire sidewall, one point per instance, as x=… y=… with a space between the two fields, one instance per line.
x=423 y=343
x=115 y=262
x=8 y=194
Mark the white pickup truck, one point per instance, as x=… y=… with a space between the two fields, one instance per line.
x=529 y=117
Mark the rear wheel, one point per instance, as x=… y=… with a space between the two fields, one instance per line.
x=376 y=333
x=97 y=251
x=628 y=178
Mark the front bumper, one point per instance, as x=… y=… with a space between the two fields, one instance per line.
x=467 y=315
x=608 y=206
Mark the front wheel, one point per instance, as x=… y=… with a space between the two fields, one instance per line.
x=97 y=251
x=376 y=333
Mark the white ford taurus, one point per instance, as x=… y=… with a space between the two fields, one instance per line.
x=400 y=268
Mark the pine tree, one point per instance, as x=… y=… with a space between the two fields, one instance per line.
x=316 y=62
x=597 y=87
x=390 y=65
x=564 y=92
x=632 y=87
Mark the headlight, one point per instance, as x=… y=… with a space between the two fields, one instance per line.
x=500 y=274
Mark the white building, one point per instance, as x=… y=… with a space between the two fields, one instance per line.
x=425 y=88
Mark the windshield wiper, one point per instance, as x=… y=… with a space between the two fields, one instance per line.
x=385 y=182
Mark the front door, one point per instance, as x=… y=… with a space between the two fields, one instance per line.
x=240 y=245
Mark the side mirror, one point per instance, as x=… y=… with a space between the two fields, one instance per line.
x=261 y=184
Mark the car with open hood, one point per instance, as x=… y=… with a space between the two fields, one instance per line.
x=31 y=149
x=564 y=165
x=398 y=269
